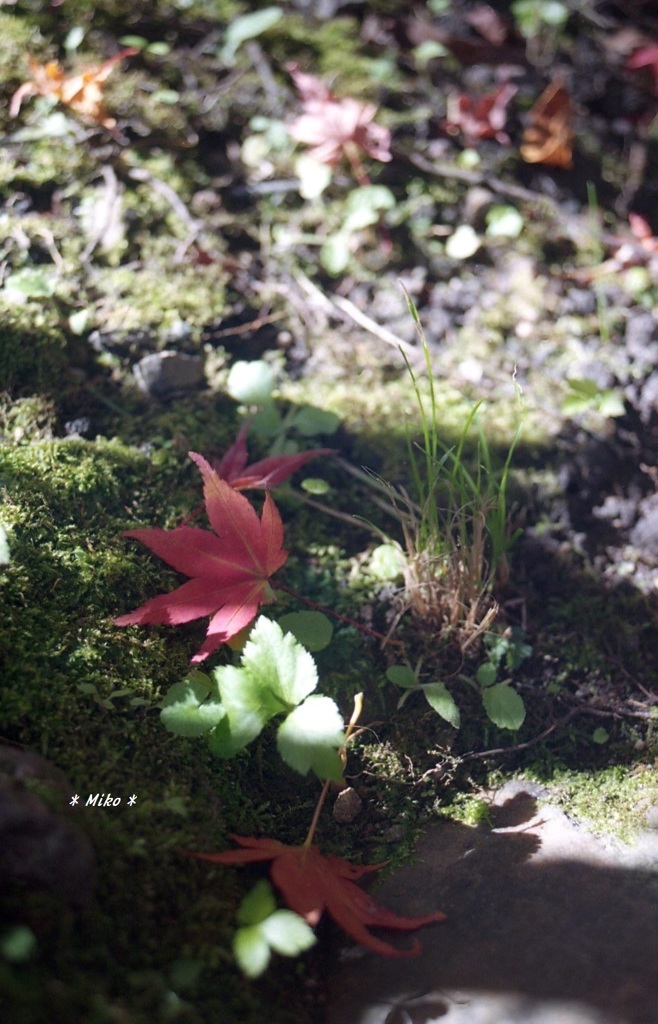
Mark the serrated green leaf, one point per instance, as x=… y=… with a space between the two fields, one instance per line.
x=276 y=661
x=504 y=706
x=402 y=675
x=313 y=630
x=192 y=707
x=288 y=933
x=249 y=704
x=439 y=698
x=258 y=904
x=251 y=950
x=311 y=736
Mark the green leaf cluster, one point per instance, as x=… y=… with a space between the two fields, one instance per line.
x=264 y=928
x=276 y=677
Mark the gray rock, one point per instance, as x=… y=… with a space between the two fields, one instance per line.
x=165 y=374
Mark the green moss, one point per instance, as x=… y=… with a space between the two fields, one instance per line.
x=34 y=350
x=611 y=800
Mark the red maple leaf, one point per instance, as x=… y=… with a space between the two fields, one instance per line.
x=646 y=57
x=480 y=117
x=230 y=569
x=267 y=472
x=311 y=884
x=330 y=126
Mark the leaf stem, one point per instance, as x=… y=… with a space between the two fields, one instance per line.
x=358 y=705
x=330 y=611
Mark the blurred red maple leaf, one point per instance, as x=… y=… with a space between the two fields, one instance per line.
x=480 y=117
x=548 y=139
x=230 y=569
x=311 y=884
x=646 y=57
x=268 y=472
x=83 y=92
x=330 y=126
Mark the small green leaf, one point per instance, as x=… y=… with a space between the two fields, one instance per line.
x=267 y=421
x=504 y=706
x=313 y=176
x=192 y=707
x=246 y=27
x=251 y=383
x=314 y=485
x=5 y=556
x=18 y=944
x=313 y=630
x=503 y=222
x=386 y=562
x=402 y=675
x=31 y=283
x=464 y=242
x=600 y=735
x=486 y=674
x=251 y=950
x=311 y=736
x=439 y=698
x=310 y=421
x=258 y=904
x=336 y=252
x=288 y=933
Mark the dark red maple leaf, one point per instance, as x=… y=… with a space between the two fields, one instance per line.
x=646 y=57
x=268 y=472
x=230 y=568
x=311 y=883
x=480 y=117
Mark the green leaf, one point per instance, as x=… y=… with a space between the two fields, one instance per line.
x=600 y=735
x=258 y=904
x=439 y=698
x=251 y=383
x=5 y=556
x=464 y=242
x=386 y=562
x=313 y=630
x=486 y=674
x=31 y=283
x=503 y=222
x=18 y=944
x=276 y=674
x=277 y=661
x=310 y=421
x=313 y=176
x=192 y=707
x=311 y=736
x=402 y=675
x=251 y=950
x=288 y=933
x=314 y=485
x=504 y=706
x=248 y=26
x=249 y=705
x=336 y=252
x=363 y=206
